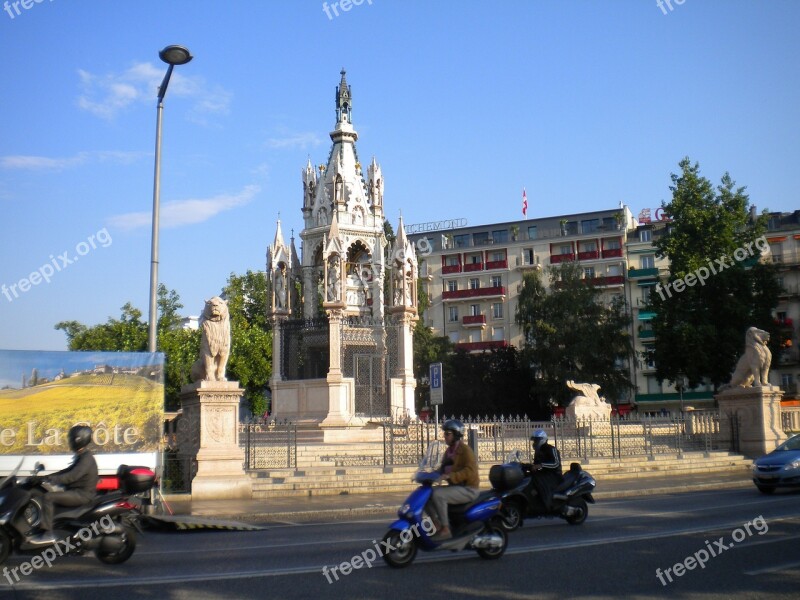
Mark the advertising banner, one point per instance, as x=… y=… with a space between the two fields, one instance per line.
x=120 y=395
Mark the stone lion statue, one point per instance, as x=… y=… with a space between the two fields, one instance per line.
x=753 y=366
x=588 y=404
x=215 y=343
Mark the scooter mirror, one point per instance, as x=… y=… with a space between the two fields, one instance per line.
x=38 y=467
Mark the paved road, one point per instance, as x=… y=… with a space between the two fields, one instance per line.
x=627 y=547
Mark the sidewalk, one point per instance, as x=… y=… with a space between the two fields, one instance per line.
x=347 y=506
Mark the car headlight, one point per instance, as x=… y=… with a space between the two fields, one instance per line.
x=795 y=464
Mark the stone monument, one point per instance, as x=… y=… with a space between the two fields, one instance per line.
x=588 y=404
x=751 y=400
x=208 y=431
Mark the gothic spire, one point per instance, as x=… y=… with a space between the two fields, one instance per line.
x=344 y=101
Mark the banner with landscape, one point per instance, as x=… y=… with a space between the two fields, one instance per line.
x=120 y=395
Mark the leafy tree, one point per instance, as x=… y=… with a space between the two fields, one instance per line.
x=570 y=333
x=250 y=361
x=717 y=287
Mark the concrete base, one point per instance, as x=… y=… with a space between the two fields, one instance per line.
x=354 y=434
x=211 y=435
x=758 y=410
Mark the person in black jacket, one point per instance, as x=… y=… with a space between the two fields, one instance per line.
x=79 y=479
x=546 y=468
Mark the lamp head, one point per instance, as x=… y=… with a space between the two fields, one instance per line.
x=175 y=55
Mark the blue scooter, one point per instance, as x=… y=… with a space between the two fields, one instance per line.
x=475 y=525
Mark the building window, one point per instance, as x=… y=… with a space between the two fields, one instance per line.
x=453 y=314
x=461 y=241
x=497 y=310
x=787 y=382
x=474 y=259
x=649 y=357
x=480 y=239
x=653 y=387
x=474 y=284
x=614 y=270
x=648 y=261
x=590 y=225
x=612 y=244
x=474 y=336
x=451 y=261
x=532 y=232
x=645 y=235
x=500 y=236
x=646 y=291
x=452 y=286
x=453 y=337
x=475 y=310
x=497 y=281
x=588 y=246
x=498 y=255
x=565 y=249
x=498 y=334
x=588 y=272
x=528 y=257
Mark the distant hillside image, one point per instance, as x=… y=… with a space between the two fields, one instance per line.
x=125 y=411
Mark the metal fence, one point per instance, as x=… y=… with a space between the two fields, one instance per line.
x=268 y=444
x=495 y=438
x=790 y=419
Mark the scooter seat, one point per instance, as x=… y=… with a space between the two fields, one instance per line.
x=460 y=509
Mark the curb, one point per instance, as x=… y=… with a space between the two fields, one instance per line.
x=380 y=510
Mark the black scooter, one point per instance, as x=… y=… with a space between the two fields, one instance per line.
x=107 y=526
x=570 y=498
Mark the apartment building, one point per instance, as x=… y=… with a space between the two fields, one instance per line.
x=473 y=275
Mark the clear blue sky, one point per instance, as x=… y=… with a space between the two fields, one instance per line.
x=585 y=103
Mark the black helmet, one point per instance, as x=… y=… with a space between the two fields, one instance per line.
x=79 y=437
x=456 y=426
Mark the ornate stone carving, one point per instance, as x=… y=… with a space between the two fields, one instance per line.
x=588 y=404
x=753 y=366
x=215 y=342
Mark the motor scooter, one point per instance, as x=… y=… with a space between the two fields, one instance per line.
x=106 y=526
x=520 y=501
x=475 y=525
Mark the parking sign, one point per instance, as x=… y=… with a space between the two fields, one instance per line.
x=437 y=384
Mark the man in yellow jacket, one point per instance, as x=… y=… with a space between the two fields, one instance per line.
x=460 y=470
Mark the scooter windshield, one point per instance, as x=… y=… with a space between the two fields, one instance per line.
x=11 y=477
x=514 y=457
x=433 y=457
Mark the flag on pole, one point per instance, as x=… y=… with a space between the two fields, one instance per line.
x=524 y=203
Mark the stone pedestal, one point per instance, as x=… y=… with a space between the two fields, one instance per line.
x=758 y=410
x=211 y=435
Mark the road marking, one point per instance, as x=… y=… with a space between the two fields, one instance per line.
x=774 y=569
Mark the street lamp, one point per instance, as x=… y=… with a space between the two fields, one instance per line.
x=172 y=55
x=680 y=383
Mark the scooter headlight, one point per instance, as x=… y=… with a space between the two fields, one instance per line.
x=405 y=510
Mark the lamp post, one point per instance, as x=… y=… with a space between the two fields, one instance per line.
x=172 y=55
x=681 y=385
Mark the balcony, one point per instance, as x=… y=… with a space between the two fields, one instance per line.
x=449 y=269
x=497 y=264
x=474 y=293
x=559 y=258
x=609 y=280
x=639 y=273
x=474 y=321
x=612 y=253
x=647 y=334
x=589 y=255
x=470 y=267
x=479 y=346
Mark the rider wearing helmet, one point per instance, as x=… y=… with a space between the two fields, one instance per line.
x=460 y=470
x=546 y=467
x=79 y=480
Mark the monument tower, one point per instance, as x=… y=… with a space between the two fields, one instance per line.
x=343 y=311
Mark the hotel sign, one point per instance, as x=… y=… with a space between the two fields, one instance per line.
x=435 y=225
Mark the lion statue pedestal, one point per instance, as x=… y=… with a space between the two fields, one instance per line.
x=209 y=432
x=751 y=400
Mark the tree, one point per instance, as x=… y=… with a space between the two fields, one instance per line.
x=250 y=361
x=717 y=286
x=570 y=333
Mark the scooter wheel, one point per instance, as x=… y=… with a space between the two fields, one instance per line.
x=5 y=546
x=494 y=553
x=511 y=516
x=398 y=552
x=122 y=554
x=581 y=511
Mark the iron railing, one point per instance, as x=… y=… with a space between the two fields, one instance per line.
x=268 y=444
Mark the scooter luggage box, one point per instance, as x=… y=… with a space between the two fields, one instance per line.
x=135 y=480
x=505 y=477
